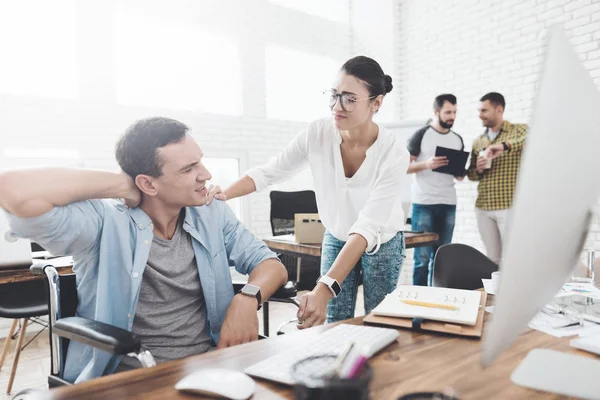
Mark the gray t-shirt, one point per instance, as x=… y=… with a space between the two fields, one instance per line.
x=431 y=187
x=171 y=317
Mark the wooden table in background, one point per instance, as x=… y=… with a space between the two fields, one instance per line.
x=63 y=266
x=418 y=361
x=286 y=244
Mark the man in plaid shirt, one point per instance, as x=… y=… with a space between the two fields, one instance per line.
x=495 y=161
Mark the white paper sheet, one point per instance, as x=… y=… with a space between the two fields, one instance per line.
x=488 y=287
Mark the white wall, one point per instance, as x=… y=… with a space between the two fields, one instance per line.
x=471 y=47
x=92 y=119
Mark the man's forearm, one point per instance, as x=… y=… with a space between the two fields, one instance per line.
x=243 y=186
x=269 y=276
x=33 y=192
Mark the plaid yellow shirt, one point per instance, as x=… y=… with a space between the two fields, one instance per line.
x=497 y=184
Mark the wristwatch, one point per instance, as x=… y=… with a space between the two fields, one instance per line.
x=331 y=283
x=506 y=146
x=252 y=291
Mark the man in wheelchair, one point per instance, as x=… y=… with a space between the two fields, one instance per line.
x=155 y=263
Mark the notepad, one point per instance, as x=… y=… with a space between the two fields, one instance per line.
x=466 y=303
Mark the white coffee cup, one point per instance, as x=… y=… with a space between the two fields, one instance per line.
x=495 y=281
x=488 y=164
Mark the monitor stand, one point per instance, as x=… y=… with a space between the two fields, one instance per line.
x=557 y=372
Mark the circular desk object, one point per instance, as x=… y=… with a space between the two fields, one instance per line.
x=316 y=380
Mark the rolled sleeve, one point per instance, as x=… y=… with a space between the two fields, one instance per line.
x=65 y=230
x=518 y=141
x=288 y=163
x=380 y=206
x=366 y=229
x=244 y=250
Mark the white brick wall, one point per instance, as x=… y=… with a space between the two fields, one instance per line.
x=471 y=47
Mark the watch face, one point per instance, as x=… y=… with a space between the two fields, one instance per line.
x=336 y=288
x=250 y=290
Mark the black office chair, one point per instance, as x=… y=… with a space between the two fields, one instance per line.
x=21 y=301
x=283 y=207
x=62 y=304
x=459 y=266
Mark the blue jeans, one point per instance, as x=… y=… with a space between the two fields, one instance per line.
x=438 y=218
x=379 y=271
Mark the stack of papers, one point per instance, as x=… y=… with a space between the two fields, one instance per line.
x=579 y=289
x=559 y=325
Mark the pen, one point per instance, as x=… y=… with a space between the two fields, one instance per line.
x=356 y=367
x=580 y=290
x=339 y=361
x=429 y=304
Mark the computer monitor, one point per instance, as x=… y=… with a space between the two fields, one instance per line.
x=14 y=252
x=558 y=185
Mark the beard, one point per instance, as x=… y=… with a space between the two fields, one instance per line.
x=488 y=123
x=446 y=124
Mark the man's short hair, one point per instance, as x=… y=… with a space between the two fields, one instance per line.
x=494 y=98
x=439 y=101
x=136 y=150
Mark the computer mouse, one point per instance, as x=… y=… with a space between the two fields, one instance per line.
x=218 y=382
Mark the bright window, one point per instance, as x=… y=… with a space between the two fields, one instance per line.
x=332 y=10
x=15 y=158
x=38 y=42
x=295 y=83
x=168 y=63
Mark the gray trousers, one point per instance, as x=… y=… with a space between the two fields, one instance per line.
x=491 y=226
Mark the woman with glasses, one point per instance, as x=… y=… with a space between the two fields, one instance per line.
x=359 y=171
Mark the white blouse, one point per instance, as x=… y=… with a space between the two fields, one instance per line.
x=368 y=204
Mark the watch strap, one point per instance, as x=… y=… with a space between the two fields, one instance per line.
x=331 y=283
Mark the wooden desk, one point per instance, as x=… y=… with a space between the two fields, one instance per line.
x=417 y=362
x=63 y=266
x=286 y=244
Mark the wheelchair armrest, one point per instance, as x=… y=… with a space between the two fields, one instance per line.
x=102 y=336
x=38 y=268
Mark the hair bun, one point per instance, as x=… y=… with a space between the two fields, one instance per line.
x=388 y=83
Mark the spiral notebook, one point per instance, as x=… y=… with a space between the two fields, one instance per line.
x=431 y=303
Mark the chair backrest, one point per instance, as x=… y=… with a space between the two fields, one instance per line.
x=21 y=299
x=459 y=266
x=285 y=204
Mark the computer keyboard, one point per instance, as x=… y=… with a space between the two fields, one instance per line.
x=278 y=368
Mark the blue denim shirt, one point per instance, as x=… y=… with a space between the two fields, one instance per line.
x=110 y=244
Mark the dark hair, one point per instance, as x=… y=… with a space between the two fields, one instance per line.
x=494 y=98
x=439 y=101
x=368 y=70
x=136 y=149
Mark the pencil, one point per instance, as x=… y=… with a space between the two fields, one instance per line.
x=428 y=304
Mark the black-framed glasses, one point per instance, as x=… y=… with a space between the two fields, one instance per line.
x=347 y=101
